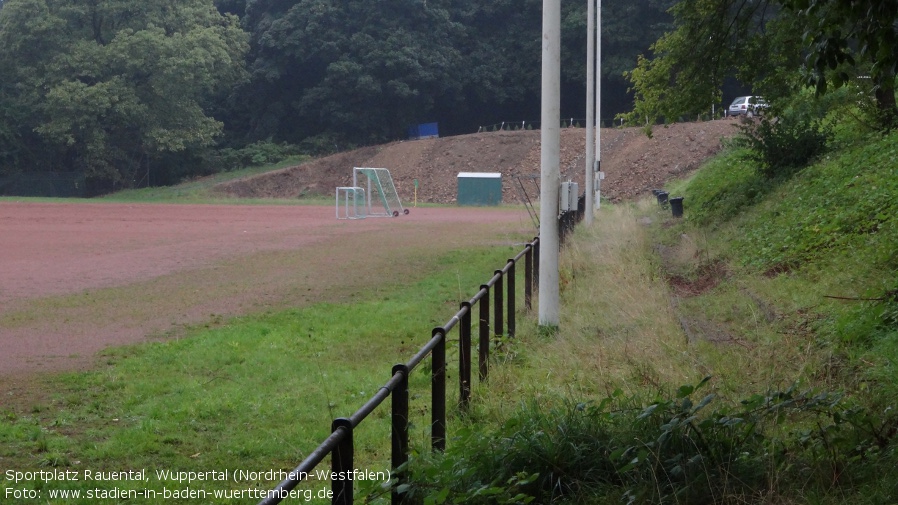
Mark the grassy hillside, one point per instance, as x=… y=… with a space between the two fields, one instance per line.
x=744 y=354
x=821 y=244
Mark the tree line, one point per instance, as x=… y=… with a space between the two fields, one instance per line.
x=130 y=92
x=782 y=48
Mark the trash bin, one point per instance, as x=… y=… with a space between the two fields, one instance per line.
x=676 y=206
x=662 y=198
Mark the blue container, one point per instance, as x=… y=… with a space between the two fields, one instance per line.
x=423 y=131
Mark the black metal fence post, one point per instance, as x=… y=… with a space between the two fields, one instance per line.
x=528 y=278
x=498 y=307
x=438 y=393
x=341 y=464
x=339 y=444
x=536 y=264
x=511 y=296
x=464 y=357
x=400 y=431
x=566 y=222
x=484 y=348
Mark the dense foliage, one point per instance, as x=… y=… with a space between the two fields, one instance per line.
x=135 y=93
x=360 y=72
x=678 y=447
x=781 y=145
x=776 y=46
x=112 y=89
x=847 y=38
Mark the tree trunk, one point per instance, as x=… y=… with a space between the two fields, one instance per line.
x=885 y=100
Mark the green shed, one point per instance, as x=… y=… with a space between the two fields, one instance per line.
x=479 y=188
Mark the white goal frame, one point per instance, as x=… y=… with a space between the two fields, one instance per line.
x=351 y=200
x=382 y=197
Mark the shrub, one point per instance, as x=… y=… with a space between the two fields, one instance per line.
x=257 y=154
x=783 y=144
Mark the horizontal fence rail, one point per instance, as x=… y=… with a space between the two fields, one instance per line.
x=504 y=291
x=714 y=112
x=535 y=125
x=339 y=444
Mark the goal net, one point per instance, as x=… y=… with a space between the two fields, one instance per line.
x=351 y=203
x=382 y=198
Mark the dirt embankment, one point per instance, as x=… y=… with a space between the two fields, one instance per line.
x=633 y=163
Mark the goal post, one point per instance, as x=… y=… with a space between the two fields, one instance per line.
x=382 y=199
x=351 y=201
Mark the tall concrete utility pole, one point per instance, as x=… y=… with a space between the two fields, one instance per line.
x=598 y=169
x=550 y=166
x=590 y=109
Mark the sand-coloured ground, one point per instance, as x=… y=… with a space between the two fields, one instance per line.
x=632 y=162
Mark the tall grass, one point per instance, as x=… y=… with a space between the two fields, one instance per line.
x=618 y=317
x=776 y=298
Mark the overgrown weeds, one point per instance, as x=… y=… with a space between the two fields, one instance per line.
x=682 y=446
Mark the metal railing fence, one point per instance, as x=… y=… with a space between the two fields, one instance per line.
x=535 y=125
x=569 y=219
x=339 y=444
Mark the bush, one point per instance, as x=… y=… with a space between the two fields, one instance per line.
x=783 y=144
x=253 y=155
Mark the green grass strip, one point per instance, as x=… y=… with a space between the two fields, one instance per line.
x=255 y=393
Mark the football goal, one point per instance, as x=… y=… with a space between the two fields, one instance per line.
x=351 y=203
x=380 y=193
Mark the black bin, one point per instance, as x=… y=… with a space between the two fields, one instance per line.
x=676 y=206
